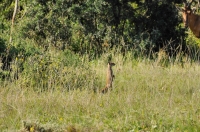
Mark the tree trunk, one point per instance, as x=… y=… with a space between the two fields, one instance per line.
x=13 y=18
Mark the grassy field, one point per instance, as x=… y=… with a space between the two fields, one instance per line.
x=146 y=97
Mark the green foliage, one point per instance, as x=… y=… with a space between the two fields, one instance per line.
x=88 y=26
x=191 y=39
x=63 y=71
x=43 y=25
x=161 y=23
x=6 y=8
x=2 y=46
x=91 y=27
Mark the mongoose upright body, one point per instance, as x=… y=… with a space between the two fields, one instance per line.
x=109 y=78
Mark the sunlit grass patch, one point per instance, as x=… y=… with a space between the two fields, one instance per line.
x=145 y=97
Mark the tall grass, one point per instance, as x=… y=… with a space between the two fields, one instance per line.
x=147 y=96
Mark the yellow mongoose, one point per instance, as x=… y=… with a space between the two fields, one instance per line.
x=109 y=78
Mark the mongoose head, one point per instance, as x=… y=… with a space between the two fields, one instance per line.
x=111 y=64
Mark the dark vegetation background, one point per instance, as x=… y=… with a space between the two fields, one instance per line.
x=87 y=27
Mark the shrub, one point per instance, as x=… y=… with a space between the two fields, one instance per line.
x=62 y=71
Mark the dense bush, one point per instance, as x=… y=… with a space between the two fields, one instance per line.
x=72 y=28
x=90 y=26
x=61 y=71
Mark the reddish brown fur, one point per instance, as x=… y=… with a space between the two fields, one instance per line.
x=192 y=20
x=109 y=78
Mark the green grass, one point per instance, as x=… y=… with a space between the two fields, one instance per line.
x=145 y=97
